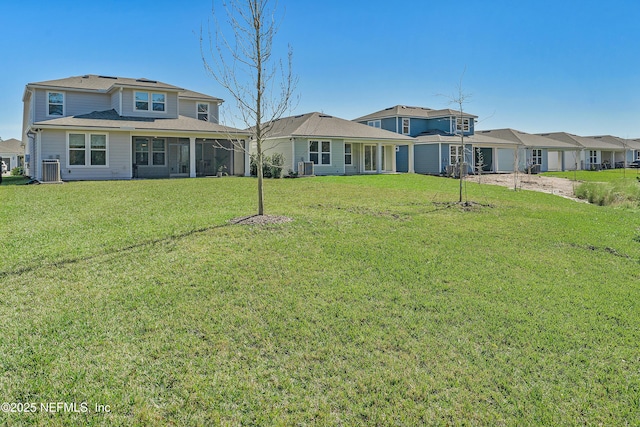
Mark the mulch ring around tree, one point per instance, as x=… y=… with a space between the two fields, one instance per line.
x=260 y=220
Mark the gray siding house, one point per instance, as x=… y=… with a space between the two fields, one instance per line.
x=335 y=146
x=101 y=127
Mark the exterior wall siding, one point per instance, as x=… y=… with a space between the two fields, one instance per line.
x=505 y=158
x=171 y=104
x=281 y=146
x=402 y=158
x=187 y=107
x=75 y=103
x=54 y=146
x=356 y=155
x=426 y=159
x=115 y=101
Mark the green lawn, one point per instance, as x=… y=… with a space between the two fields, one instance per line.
x=607 y=175
x=380 y=304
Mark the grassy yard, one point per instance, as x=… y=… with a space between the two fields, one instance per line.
x=607 y=175
x=380 y=304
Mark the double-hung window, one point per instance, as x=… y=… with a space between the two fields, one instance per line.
x=87 y=149
x=150 y=101
x=55 y=103
x=203 y=111
x=463 y=124
x=593 y=157
x=348 y=155
x=536 y=157
x=320 y=152
x=406 y=126
x=455 y=154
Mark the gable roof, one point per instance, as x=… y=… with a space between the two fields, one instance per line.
x=11 y=146
x=581 y=141
x=111 y=120
x=407 y=111
x=104 y=84
x=620 y=142
x=527 y=139
x=476 y=139
x=322 y=125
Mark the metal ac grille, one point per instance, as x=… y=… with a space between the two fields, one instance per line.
x=51 y=170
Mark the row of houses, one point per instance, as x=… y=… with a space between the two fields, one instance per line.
x=103 y=127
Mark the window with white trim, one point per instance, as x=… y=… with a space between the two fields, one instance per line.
x=348 y=155
x=536 y=157
x=55 y=103
x=463 y=124
x=406 y=126
x=150 y=151
x=320 y=152
x=203 y=111
x=455 y=154
x=593 y=157
x=87 y=149
x=375 y=123
x=150 y=101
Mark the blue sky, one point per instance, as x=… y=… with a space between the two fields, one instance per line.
x=536 y=66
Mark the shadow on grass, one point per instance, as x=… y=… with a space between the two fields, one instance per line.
x=129 y=248
x=14 y=180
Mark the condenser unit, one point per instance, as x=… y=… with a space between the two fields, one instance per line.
x=305 y=168
x=51 y=170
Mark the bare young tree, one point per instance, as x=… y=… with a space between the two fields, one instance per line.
x=238 y=53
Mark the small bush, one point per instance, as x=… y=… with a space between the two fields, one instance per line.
x=271 y=165
x=17 y=171
x=623 y=193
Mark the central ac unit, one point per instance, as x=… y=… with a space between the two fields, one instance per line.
x=305 y=168
x=51 y=170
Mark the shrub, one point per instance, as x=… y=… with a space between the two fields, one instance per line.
x=623 y=193
x=17 y=171
x=271 y=166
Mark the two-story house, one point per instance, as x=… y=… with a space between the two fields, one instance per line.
x=420 y=122
x=100 y=127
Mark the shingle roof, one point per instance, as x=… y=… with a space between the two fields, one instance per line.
x=527 y=139
x=111 y=120
x=581 y=141
x=322 y=125
x=621 y=143
x=95 y=83
x=407 y=111
x=11 y=146
x=476 y=139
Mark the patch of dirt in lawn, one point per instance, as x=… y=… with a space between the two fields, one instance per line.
x=260 y=220
x=546 y=184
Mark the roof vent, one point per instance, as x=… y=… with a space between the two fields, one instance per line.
x=108 y=77
x=325 y=116
x=86 y=76
x=146 y=81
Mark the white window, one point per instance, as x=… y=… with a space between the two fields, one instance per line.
x=320 y=152
x=150 y=151
x=55 y=103
x=87 y=149
x=375 y=123
x=463 y=124
x=348 y=155
x=406 y=126
x=149 y=101
x=203 y=111
x=593 y=157
x=455 y=154
x=536 y=157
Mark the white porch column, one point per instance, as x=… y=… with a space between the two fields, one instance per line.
x=192 y=157
x=247 y=157
x=411 y=149
x=379 y=158
x=393 y=158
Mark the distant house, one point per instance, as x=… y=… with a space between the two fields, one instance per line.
x=100 y=127
x=12 y=153
x=591 y=152
x=624 y=154
x=538 y=152
x=335 y=146
x=417 y=122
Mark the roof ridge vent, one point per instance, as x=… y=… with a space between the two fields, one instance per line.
x=325 y=116
x=143 y=80
x=108 y=77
